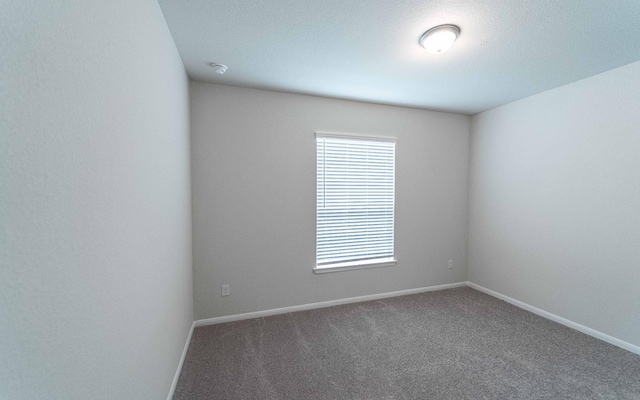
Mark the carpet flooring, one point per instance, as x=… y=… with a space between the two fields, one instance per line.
x=449 y=344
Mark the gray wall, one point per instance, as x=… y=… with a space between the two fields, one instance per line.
x=555 y=202
x=253 y=168
x=95 y=238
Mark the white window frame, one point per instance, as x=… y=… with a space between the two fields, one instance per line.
x=357 y=264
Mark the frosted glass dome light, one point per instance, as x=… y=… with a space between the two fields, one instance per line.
x=440 y=38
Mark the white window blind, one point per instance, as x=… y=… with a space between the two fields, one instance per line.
x=355 y=199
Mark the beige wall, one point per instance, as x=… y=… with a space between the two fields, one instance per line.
x=95 y=206
x=253 y=168
x=555 y=202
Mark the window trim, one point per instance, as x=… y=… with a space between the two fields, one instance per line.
x=338 y=135
x=359 y=264
x=353 y=265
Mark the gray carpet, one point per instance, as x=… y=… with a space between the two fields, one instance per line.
x=450 y=344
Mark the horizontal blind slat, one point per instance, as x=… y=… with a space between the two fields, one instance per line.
x=355 y=199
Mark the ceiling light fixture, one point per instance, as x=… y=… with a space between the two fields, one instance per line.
x=440 y=38
x=218 y=68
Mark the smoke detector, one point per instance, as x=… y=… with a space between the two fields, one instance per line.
x=218 y=68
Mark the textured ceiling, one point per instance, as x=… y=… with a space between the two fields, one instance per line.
x=368 y=50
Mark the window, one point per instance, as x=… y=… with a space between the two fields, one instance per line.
x=355 y=202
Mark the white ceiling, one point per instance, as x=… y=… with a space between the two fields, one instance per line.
x=368 y=50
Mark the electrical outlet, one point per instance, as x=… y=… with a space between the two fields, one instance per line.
x=225 y=290
x=450 y=265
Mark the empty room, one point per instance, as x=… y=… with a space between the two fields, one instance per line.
x=279 y=199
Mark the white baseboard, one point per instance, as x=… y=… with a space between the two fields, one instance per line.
x=323 y=304
x=184 y=355
x=574 y=325
x=238 y=317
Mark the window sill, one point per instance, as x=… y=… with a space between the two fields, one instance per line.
x=350 y=266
